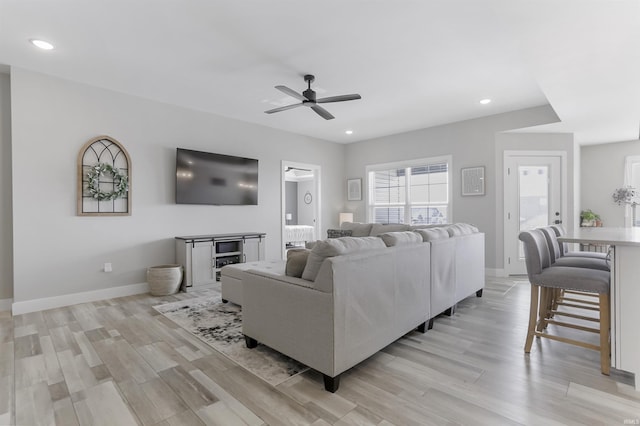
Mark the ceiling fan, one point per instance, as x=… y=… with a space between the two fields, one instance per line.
x=308 y=98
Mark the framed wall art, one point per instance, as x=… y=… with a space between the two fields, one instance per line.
x=104 y=178
x=473 y=181
x=354 y=189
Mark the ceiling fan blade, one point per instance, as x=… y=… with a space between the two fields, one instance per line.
x=322 y=112
x=284 y=108
x=340 y=98
x=291 y=92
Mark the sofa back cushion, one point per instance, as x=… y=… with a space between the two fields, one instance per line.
x=335 y=247
x=357 y=229
x=431 y=225
x=401 y=238
x=458 y=229
x=432 y=234
x=381 y=228
x=296 y=262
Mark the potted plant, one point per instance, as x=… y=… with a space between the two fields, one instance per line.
x=589 y=218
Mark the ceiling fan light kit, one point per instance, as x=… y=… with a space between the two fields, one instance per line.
x=308 y=98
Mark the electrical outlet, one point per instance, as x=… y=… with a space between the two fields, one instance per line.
x=107 y=267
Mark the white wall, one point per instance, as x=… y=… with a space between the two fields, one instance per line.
x=58 y=253
x=471 y=143
x=6 y=221
x=602 y=172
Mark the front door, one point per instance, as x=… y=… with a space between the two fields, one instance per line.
x=533 y=198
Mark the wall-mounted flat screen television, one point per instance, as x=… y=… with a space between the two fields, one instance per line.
x=216 y=179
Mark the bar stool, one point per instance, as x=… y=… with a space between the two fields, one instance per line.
x=571 y=259
x=559 y=231
x=545 y=279
x=571 y=298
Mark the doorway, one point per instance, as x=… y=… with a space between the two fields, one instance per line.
x=300 y=204
x=534 y=195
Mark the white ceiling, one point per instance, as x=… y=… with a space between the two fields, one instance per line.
x=416 y=63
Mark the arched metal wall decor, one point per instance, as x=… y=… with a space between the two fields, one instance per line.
x=104 y=178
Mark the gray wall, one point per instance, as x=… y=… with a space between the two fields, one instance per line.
x=602 y=172
x=471 y=143
x=58 y=253
x=6 y=221
x=306 y=214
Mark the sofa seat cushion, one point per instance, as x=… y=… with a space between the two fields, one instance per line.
x=357 y=229
x=400 y=238
x=237 y=270
x=432 y=234
x=296 y=261
x=335 y=247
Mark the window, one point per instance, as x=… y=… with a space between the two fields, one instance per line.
x=416 y=192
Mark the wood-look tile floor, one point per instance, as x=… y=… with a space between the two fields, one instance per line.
x=118 y=362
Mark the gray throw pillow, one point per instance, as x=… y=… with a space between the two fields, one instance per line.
x=296 y=261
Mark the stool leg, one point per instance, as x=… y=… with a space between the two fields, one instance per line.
x=543 y=308
x=533 y=315
x=605 y=345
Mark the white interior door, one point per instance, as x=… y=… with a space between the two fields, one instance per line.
x=533 y=198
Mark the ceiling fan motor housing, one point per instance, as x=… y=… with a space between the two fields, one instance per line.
x=309 y=94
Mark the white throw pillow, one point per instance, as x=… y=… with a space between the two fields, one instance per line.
x=403 y=238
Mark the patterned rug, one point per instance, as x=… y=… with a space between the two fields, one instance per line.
x=220 y=326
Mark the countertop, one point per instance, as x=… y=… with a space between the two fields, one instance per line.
x=604 y=235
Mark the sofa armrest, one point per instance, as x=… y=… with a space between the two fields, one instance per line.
x=290 y=317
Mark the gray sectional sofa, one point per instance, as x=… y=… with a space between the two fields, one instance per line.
x=357 y=294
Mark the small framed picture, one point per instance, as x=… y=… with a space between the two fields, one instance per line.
x=354 y=189
x=473 y=181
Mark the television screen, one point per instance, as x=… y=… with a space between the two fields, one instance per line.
x=207 y=178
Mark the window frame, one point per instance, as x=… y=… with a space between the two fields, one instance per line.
x=427 y=161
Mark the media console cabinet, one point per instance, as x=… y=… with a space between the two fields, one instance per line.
x=202 y=256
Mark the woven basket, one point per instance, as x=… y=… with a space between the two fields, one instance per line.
x=164 y=279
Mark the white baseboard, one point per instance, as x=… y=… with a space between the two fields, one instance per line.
x=494 y=272
x=72 y=299
x=5 y=304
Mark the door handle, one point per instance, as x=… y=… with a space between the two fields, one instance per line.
x=557 y=221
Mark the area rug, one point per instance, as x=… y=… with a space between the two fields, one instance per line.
x=220 y=326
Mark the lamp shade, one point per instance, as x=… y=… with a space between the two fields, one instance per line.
x=288 y=216
x=346 y=217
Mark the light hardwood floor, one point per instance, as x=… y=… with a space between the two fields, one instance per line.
x=118 y=362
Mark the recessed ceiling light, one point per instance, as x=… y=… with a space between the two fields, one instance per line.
x=44 y=45
x=349 y=132
x=485 y=101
